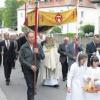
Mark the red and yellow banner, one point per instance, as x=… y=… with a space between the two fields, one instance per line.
x=52 y=19
x=31 y=18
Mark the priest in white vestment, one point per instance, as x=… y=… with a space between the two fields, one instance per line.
x=51 y=69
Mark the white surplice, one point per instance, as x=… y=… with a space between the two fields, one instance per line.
x=51 y=67
x=76 y=82
x=93 y=73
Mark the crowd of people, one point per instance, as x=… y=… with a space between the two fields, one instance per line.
x=83 y=79
x=79 y=65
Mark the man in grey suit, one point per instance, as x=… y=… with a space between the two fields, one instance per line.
x=63 y=57
x=30 y=59
x=73 y=49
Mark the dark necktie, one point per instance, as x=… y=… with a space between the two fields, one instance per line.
x=8 y=44
x=76 y=50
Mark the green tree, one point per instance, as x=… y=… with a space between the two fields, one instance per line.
x=10 y=13
x=1 y=16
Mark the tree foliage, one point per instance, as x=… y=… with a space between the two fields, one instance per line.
x=10 y=13
x=1 y=15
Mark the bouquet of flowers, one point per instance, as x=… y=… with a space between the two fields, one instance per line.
x=92 y=86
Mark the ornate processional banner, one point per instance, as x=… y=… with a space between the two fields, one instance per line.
x=51 y=18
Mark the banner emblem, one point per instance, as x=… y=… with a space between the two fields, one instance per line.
x=58 y=18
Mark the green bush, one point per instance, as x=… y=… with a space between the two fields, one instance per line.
x=56 y=29
x=81 y=34
x=87 y=28
x=70 y=34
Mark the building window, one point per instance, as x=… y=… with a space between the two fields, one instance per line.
x=82 y=14
x=21 y=14
x=81 y=22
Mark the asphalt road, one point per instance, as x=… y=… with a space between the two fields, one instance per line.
x=18 y=90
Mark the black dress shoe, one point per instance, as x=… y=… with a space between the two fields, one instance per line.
x=7 y=83
x=65 y=78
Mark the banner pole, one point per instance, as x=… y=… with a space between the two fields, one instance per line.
x=25 y=11
x=36 y=23
x=35 y=42
x=77 y=24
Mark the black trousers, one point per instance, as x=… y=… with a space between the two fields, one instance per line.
x=31 y=83
x=7 y=70
x=0 y=58
x=64 y=69
x=13 y=64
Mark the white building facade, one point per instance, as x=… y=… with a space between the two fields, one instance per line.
x=85 y=16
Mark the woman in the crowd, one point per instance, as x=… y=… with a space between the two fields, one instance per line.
x=75 y=81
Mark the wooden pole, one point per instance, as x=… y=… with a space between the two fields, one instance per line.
x=25 y=11
x=35 y=41
x=77 y=23
x=36 y=23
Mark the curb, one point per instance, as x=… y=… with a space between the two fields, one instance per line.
x=2 y=95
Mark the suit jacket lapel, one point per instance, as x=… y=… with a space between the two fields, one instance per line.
x=28 y=46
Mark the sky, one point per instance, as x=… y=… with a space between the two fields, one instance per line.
x=2 y=3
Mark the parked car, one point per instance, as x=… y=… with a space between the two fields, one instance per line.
x=89 y=34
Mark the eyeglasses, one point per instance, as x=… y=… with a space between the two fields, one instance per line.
x=97 y=36
x=96 y=60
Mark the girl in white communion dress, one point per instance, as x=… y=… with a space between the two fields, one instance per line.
x=93 y=75
x=75 y=80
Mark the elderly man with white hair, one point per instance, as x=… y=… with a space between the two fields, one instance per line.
x=63 y=57
x=8 y=56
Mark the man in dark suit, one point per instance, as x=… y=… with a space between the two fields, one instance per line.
x=8 y=56
x=30 y=59
x=0 y=50
x=0 y=56
x=73 y=49
x=63 y=57
x=91 y=47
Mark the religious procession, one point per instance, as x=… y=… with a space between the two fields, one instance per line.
x=53 y=53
